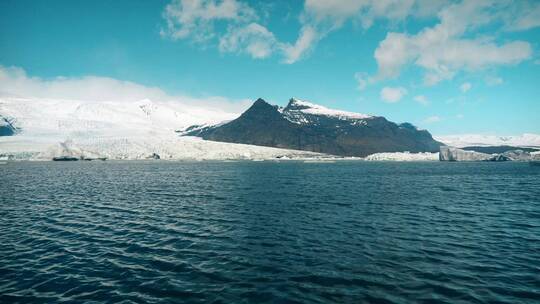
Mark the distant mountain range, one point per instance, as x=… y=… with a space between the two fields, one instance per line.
x=305 y=126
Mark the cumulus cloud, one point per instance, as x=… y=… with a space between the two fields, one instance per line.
x=421 y=99
x=197 y=18
x=14 y=82
x=393 y=95
x=525 y=15
x=335 y=13
x=307 y=38
x=323 y=17
x=253 y=39
x=441 y=51
x=465 y=87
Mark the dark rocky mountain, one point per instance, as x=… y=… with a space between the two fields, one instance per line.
x=305 y=126
x=6 y=127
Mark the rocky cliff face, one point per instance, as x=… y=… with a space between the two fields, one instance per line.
x=306 y=126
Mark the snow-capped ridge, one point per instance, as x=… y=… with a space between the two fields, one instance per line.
x=297 y=105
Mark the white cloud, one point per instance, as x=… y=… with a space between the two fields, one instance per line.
x=14 y=82
x=196 y=18
x=421 y=99
x=524 y=16
x=465 y=87
x=432 y=119
x=253 y=39
x=323 y=16
x=441 y=51
x=335 y=13
x=393 y=95
x=308 y=36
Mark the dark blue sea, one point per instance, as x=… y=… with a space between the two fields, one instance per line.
x=267 y=232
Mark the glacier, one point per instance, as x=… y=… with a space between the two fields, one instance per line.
x=465 y=140
x=403 y=156
x=119 y=130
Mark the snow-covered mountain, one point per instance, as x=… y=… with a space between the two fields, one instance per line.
x=467 y=140
x=54 y=117
x=306 y=126
x=303 y=112
x=42 y=128
x=115 y=129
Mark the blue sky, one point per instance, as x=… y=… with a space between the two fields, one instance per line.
x=452 y=67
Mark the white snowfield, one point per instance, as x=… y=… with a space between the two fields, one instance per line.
x=54 y=117
x=119 y=130
x=459 y=141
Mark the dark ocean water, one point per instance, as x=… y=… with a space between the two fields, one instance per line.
x=259 y=232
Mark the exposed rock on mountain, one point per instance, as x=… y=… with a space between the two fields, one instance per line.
x=306 y=126
x=6 y=127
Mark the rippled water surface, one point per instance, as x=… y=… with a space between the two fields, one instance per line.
x=255 y=232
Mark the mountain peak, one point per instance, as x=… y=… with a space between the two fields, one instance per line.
x=260 y=104
x=260 y=108
x=303 y=125
x=297 y=104
x=260 y=101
